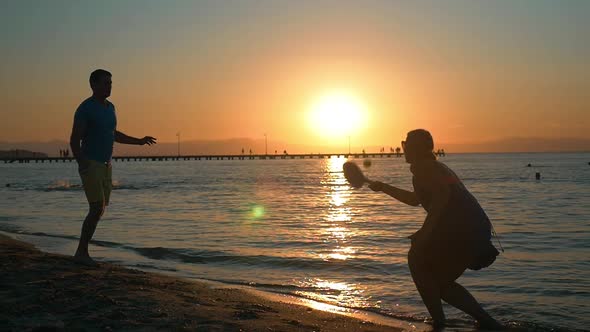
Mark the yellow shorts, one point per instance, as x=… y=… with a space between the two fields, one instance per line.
x=97 y=181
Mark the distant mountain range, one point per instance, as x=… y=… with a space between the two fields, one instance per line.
x=18 y=153
x=523 y=144
x=235 y=146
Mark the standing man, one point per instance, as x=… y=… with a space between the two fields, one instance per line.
x=95 y=126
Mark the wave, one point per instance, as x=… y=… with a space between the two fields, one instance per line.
x=64 y=185
x=301 y=291
x=289 y=263
x=17 y=230
x=192 y=256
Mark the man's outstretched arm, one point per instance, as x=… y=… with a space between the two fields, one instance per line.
x=124 y=139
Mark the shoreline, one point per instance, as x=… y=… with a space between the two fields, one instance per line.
x=52 y=291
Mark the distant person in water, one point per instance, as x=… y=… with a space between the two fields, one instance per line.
x=93 y=135
x=455 y=235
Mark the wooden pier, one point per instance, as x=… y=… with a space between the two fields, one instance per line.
x=209 y=157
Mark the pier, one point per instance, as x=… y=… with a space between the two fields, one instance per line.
x=210 y=157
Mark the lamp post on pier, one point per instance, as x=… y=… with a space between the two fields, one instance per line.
x=265 y=144
x=349 y=144
x=178 y=136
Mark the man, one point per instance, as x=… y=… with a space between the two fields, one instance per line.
x=95 y=124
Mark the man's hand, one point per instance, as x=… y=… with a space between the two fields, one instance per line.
x=376 y=186
x=148 y=140
x=125 y=139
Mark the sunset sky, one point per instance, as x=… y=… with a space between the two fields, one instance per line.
x=469 y=71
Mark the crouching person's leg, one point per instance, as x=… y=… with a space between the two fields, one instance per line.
x=427 y=284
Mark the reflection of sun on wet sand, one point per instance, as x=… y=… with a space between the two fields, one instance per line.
x=47 y=290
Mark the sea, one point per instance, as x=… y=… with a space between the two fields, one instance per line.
x=294 y=226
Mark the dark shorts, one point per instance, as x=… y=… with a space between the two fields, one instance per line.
x=443 y=264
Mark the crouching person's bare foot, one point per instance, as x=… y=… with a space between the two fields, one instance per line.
x=490 y=325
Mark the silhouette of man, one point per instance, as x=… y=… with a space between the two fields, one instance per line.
x=95 y=124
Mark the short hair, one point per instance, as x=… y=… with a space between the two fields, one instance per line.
x=96 y=75
x=421 y=143
x=422 y=139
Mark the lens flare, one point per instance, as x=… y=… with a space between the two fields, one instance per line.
x=257 y=212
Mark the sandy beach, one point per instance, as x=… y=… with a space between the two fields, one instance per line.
x=42 y=291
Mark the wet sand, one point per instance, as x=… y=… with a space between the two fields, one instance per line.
x=42 y=291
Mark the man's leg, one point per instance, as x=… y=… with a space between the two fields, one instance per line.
x=95 y=180
x=96 y=211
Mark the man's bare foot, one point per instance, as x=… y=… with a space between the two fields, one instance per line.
x=85 y=260
x=437 y=325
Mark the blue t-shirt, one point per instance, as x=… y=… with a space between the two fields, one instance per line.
x=100 y=121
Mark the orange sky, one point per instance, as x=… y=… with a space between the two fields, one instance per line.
x=468 y=73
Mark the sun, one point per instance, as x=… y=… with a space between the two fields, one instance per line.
x=337 y=114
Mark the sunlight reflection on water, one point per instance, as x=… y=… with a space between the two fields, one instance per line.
x=337 y=233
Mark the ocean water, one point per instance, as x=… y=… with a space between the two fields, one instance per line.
x=296 y=227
